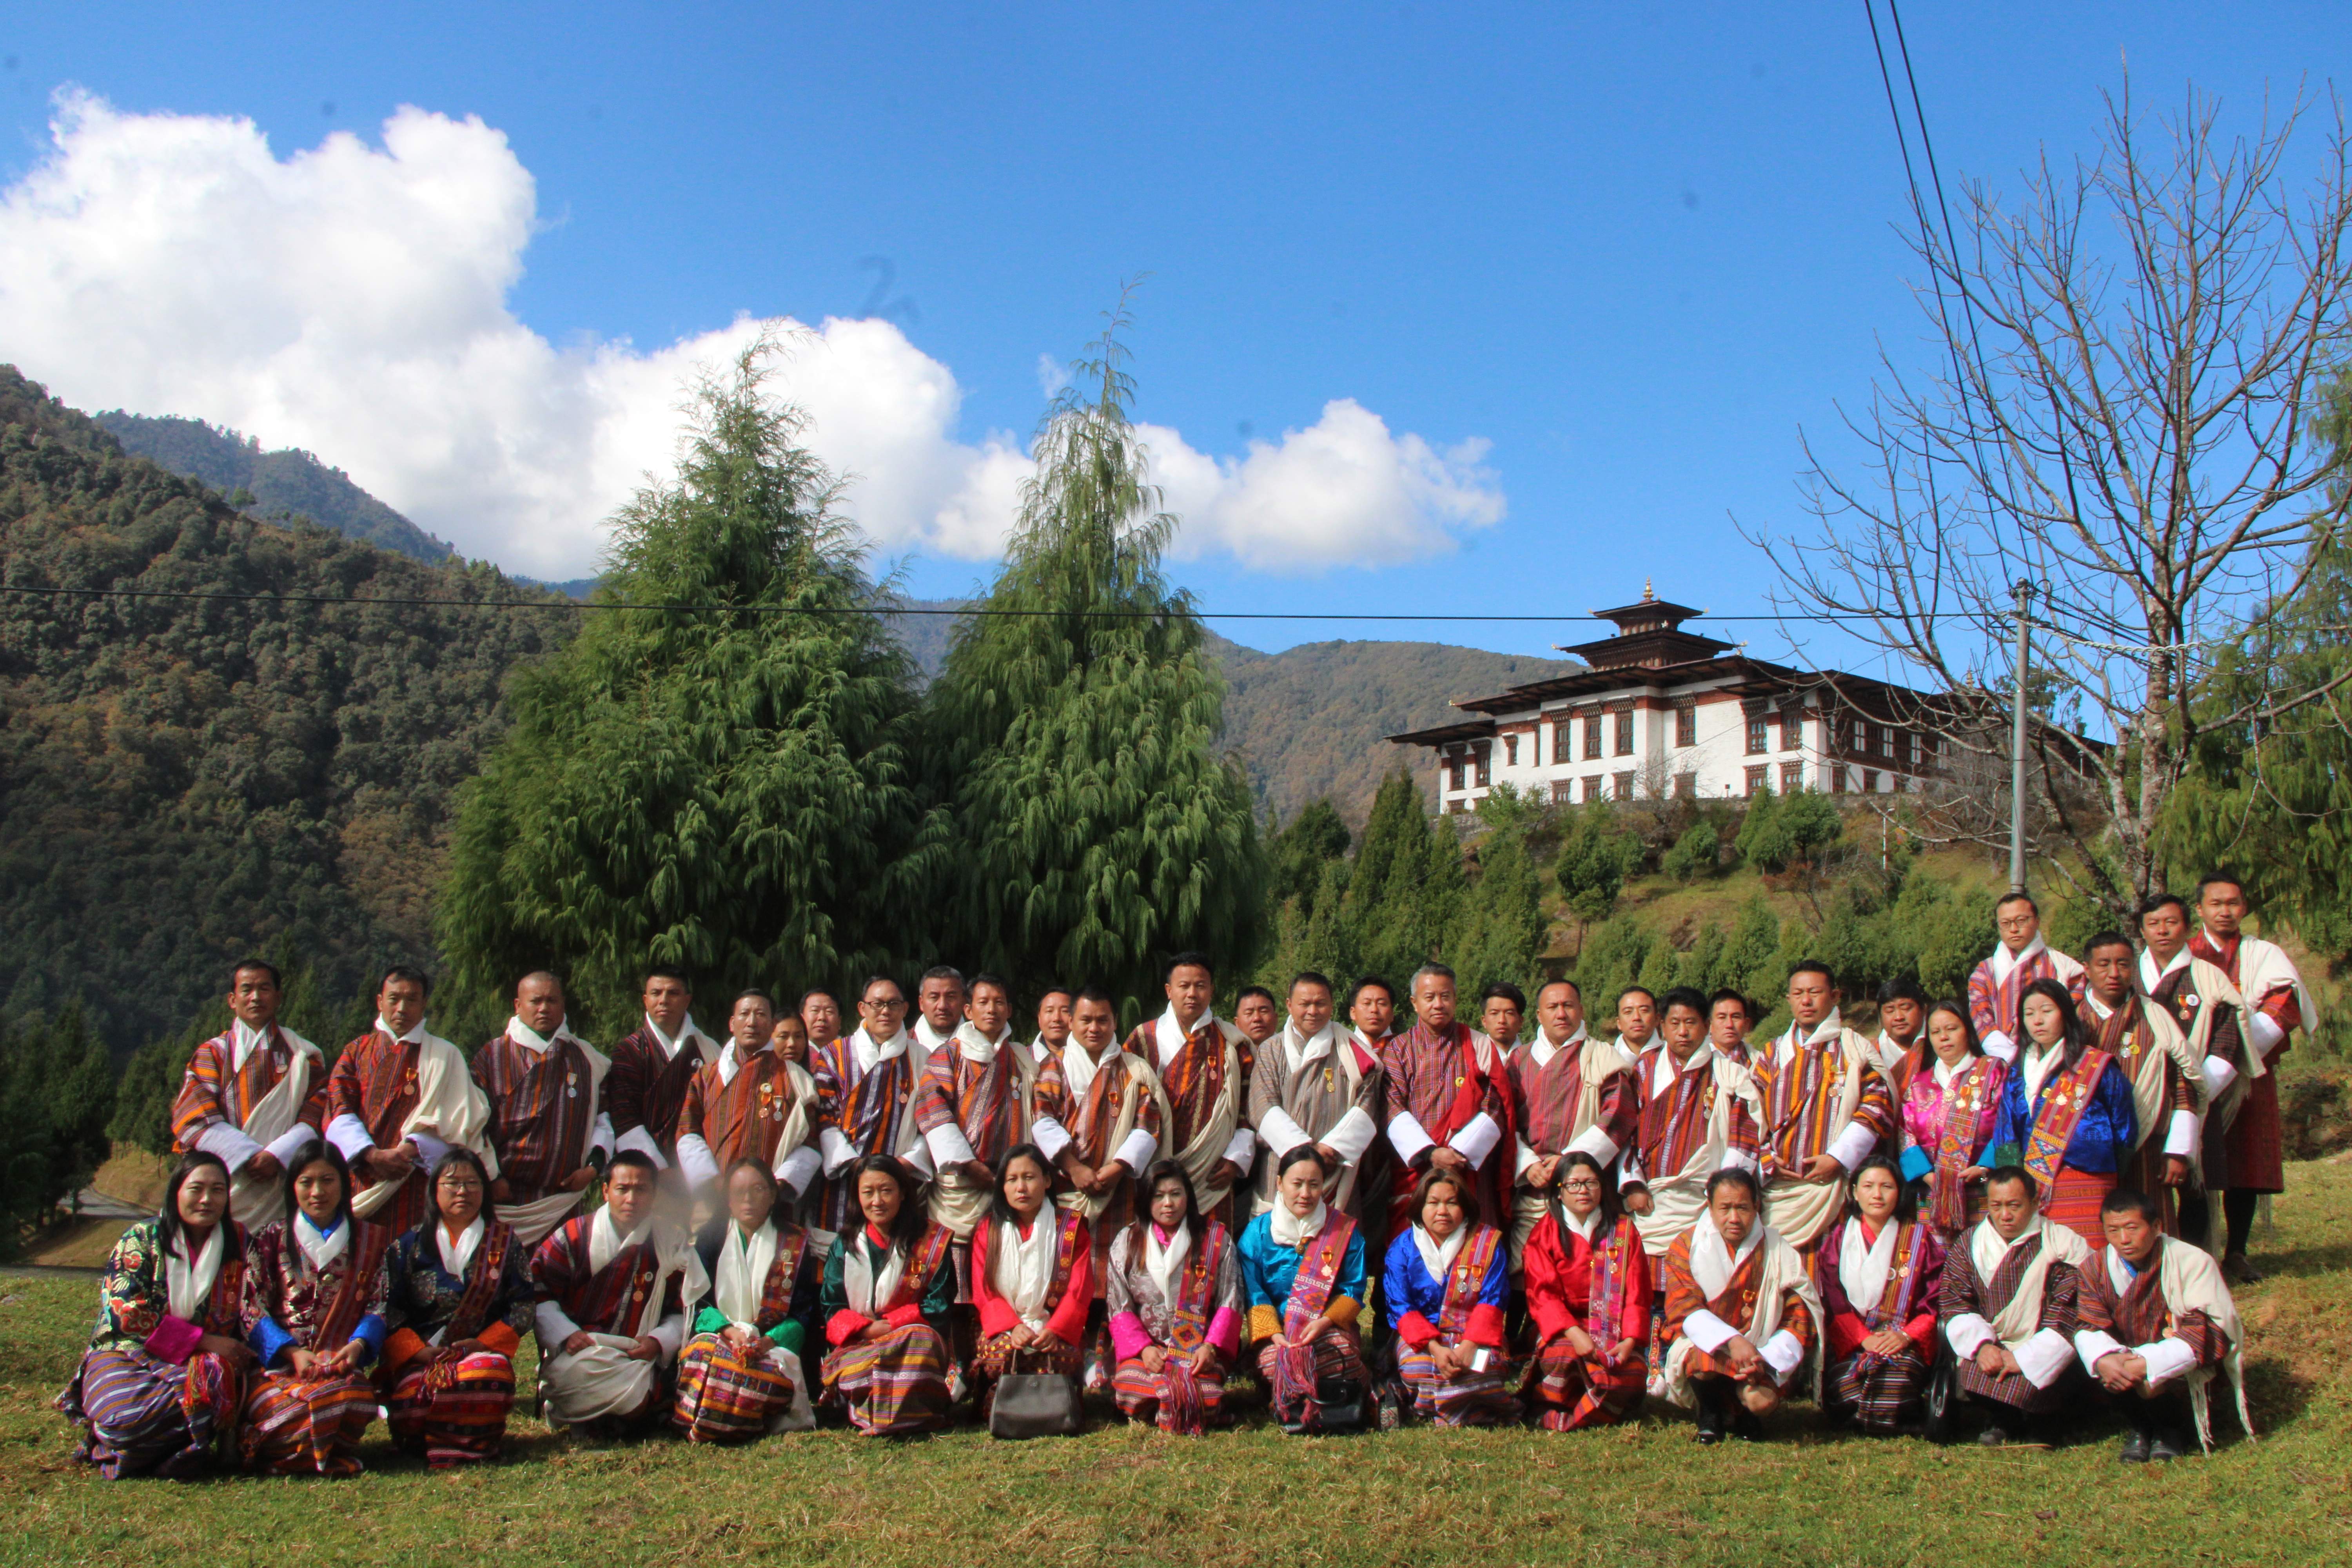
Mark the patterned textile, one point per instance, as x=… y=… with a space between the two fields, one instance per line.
x=2138 y=1315
x=997 y=1357
x=2254 y=1144
x=1206 y=1310
x=1299 y=1370
x=1801 y=1096
x=295 y=1426
x=984 y=1101
x=865 y=1108
x=1956 y=1127
x=1993 y=1004
x=137 y=1409
x=1204 y=1079
x=541 y=1113
x=1092 y=1120
x=211 y=1093
x=1177 y=1398
x=724 y=1397
x=1444 y=1079
x=1296 y=1374
x=2082 y=1120
x=618 y=1300
x=645 y=1088
x=375 y=1081
x=743 y=1120
x=2125 y=1035
x=1881 y=1391
x=2076 y=1199
x=897 y=1384
x=1544 y=1098
x=1736 y=1305
x=1604 y=1288
x=1068 y=1291
x=2186 y=999
x=1470 y=1302
x=1963 y=1291
x=454 y=1412
x=1316 y=1097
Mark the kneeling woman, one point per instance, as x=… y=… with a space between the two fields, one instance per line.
x=1174 y=1296
x=164 y=1377
x=1741 y=1313
x=316 y=1289
x=741 y=1376
x=1033 y=1277
x=1303 y=1275
x=888 y=1287
x=460 y=1301
x=1588 y=1293
x=1447 y=1279
x=1879 y=1270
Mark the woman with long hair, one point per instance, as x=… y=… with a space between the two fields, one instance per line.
x=888 y=1286
x=1302 y=1268
x=1447 y=1280
x=741 y=1375
x=316 y=1291
x=1950 y=1112
x=1589 y=1283
x=1032 y=1277
x=460 y=1301
x=1879 y=1270
x=164 y=1381
x=2068 y=1108
x=1175 y=1294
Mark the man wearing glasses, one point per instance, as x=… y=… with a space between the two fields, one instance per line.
x=1999 y=982
x=865 y=1084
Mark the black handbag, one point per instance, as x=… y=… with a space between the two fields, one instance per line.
x=1943 y=1393
x=1339 y=1407
x=1034 y=1404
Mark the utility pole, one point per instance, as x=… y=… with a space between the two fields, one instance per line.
x=2017 y=741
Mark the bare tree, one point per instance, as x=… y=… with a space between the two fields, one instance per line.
x=2118 y=414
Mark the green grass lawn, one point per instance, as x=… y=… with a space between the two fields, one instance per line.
x=1640 y=1495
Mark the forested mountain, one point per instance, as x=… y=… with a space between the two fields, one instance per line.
x=182 y=780
x=279 y=482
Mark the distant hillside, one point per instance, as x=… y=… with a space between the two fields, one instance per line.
x=280 y=482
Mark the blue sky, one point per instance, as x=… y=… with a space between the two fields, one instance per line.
x=1632 y=250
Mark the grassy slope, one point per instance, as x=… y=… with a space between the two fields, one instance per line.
x=1638 y=1496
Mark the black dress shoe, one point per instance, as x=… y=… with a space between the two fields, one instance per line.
x=2135 y=1447
x=1745 y=1427
x=1710 y=1422
x=2167 y=1445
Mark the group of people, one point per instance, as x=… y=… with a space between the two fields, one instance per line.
x=1999 y=1200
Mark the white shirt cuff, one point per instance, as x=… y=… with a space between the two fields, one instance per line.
x=349 y=1134
x=1282 y=1134
x=1522 y=1158
x=919 y=1160
x=2090 y=1344
x=799 y=1168
x=1740 y=1160
x=2219 y=1075
x=2263 y=1030
x=1240 y=1147
x=1707 y=1331
x=1967 y=1334
x=2043 y=1357
x=695 y=1160
x=838 y=1151
x=641 y=1141
x=1629 y=1169
x=1593 y=1141
x=1476 y=1139
x=285 y=1146
x=1998 y=1044
x=949 y=1146
x=1049 y=1134
x=1852 y=1146
x=600 y=1135
x=2180 y=1138
x=1352 y=1135
x=554 y=1326
x=1784 y=1352
x=2166 y=1359
x=1407 y=1136
x=670 y=1334
x=229 y=1142
x=1138 y=1152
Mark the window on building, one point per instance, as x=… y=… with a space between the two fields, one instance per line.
x=1483 y=753
x=1456 y=777
x=1510 y=751
x=1793 y=777
x=1563 y=790
x=1686 y=786
x=1591 y=735
x=1756 y=776
x=1591 y=786
x=1759 y=743
x=1870 y=780
x=1793 y=729
x=1837 y=779
x=1625 y=731
x=1686 y=725
x=1621 y=785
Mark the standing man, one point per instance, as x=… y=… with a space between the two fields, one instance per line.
x=543 y=1084
x=1197 y=1057
x=1569 y=1093
x=2213 y=1017
x=1053 y=1020
x=1449 y=1103
x=1699 y=1111
x=1372 y=1013
x=819 y=1013
x=2168 y=1089
x=865 y=1096
x=1730 y=1019
x=2021 y=959
x=1259 y=1018
x=2277 y=1003
x=1315 y=1084
x=940 y=996
x=1826 y=1106
x=973 y=1105
x=1897 y=1051
x=752 y=1103
x=398 y=1098
x=653 y=1066
x=252 y=1096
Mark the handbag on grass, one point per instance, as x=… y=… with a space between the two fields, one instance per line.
x=1034 y=1404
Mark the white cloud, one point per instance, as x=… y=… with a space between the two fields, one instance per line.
x=352 y=300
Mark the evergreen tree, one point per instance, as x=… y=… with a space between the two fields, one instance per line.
x=1097 y=829
x=1501 y=937
x=1315 y=838
x=1406 y=889
x=1748 y=959
x=1694 y=854
x=57 y=1095
x=727 y=789
x=1596 y=856
x=1764 y=843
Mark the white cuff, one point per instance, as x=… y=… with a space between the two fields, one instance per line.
x=838 y=1151
x=1240 y=1147
x=1407 y=1136
x=2043 y=1357
x=695 y=1160
x=1593 y=1141
x=599 y=1134
x=2166 y=1359
x=1707 y=1331
x=2090 y=1344
x=919 y=1160
x=228 y=1140
x=1852 y=1146
x=1351 y=1135
x=1740 y=1160
x=2180 y=1138
x=2263 y=1030
x=1476 y=1139
x=1998 y=1044
x=349 y=1134
x=799 y=1168
x=1967 y=1334
x=1281 y=1133
x=1784 y=1352
x=638 y=1139
x=2219 y=1075
x=554 y=1326
x=287 y=1144
x=1048 y=1134
x=1629 y=1169
x=670 y=1334
x=1137 y=1155
x=949 y=1146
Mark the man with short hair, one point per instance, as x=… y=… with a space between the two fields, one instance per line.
x=2277 y=1003
x=2168 y=1087
x=1197 y=1057
x=940 y=1003
x=2211 y=1017
x=1258 y=1017
x=252 y=1096
x=865 y=1092
x=1502 y=1011
x=543 y=1084
x=1053 y=1020
x=972 y=1106
x=2020 y=959
x=1742 y=1315
x=1570 y=1093
x=1698 y=1112
x=1372 y=1013
x=398 y=1100
x=752 y=1103
x=1826 y=1107
x=1900 y=1048
x=2008 y=1306
x=2156 y=1322
x=1730 y=1019
x=611 y=1290
x=1315 y=1084
x=1448 y=1102
x=819 y=1013
x=654 y=1065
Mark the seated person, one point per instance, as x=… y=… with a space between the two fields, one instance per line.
x=1741 y=1313
x=315 y=1294
x=1589 y=1292
x=1447 y=1279
x=743 y=1374
x=1033 y=1277
x=611 y=1315
x=2156 y=1321
x=1175 y=1293
x=889 y=1284
x=2008 y=1307
x=165 y=1373
x=1302 y=1267
x=461 y=1299
x=1878 y=1271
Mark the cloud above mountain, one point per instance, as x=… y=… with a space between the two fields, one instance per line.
x=353 y=299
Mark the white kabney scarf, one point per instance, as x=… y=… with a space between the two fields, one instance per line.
x=1164 y=1260
x=1020 y=1267
x=254 y=1201
x=1712 y=1267
x=188 y=1282
x=1294 y=1231
x=1436 y=1256
x=1864 y=1266
x=743 y=1265
x=451 y=1106
x=2020 y=1319
x=458 y=1251
x=321 y=1247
